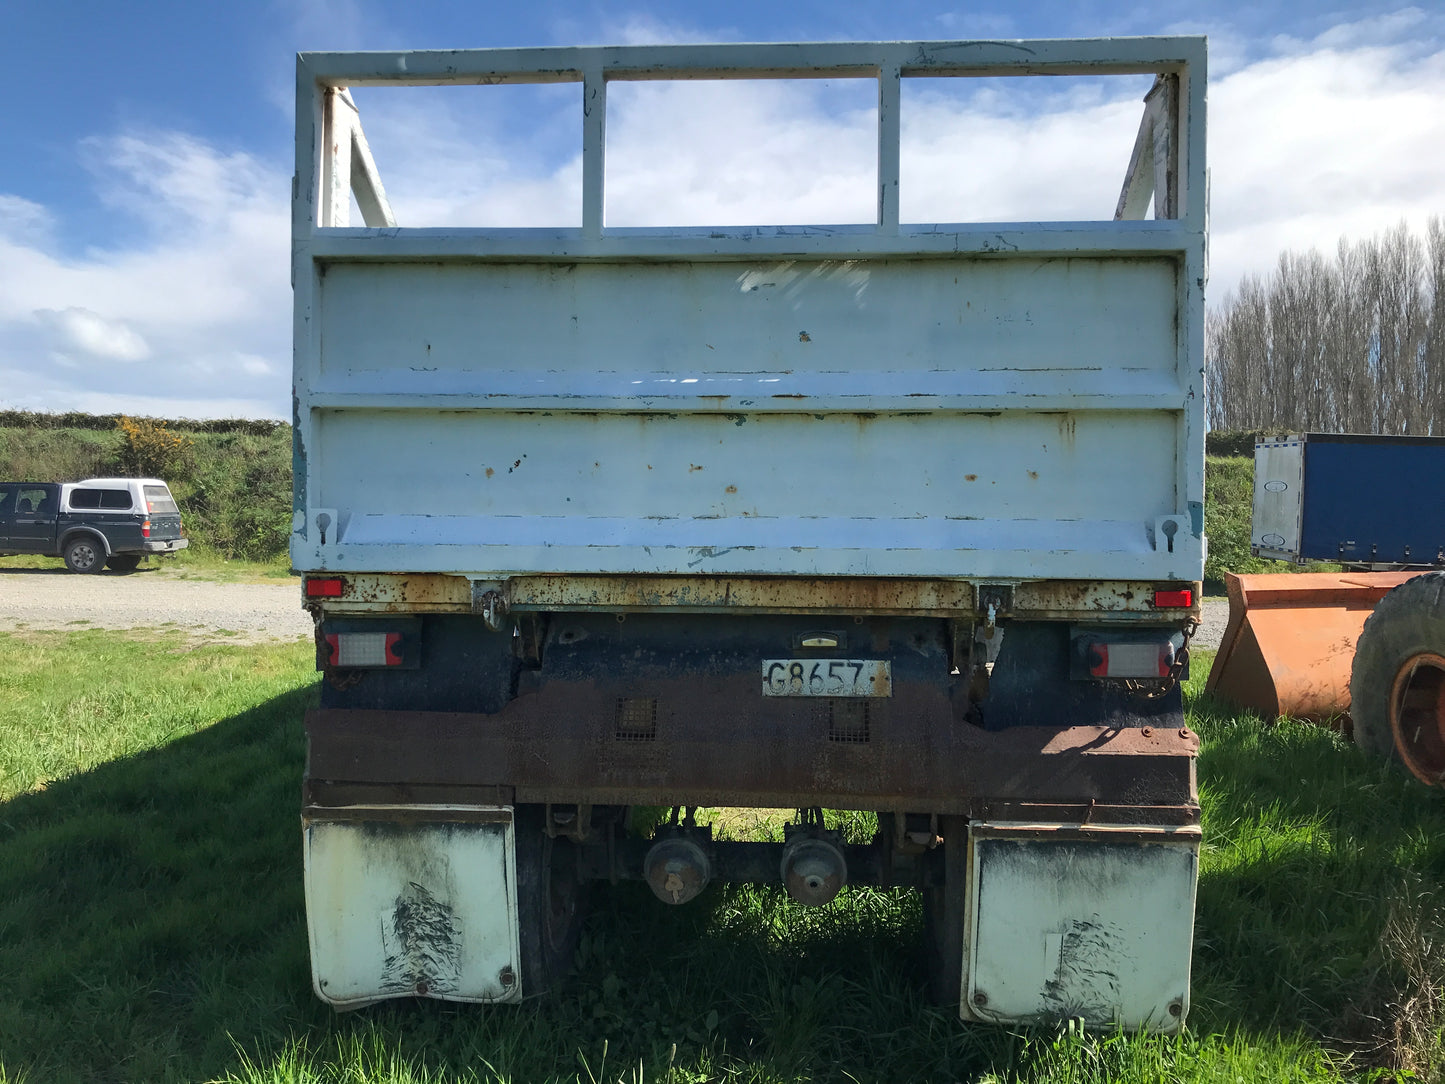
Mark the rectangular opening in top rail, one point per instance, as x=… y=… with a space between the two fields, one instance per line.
x=500 y=156
x=727 y=142
x=741 y=152
x=1011 y=149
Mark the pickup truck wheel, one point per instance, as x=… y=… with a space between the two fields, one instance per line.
x=84 y=555
x=123 y=562
x=549 y=902
x=1397 y=682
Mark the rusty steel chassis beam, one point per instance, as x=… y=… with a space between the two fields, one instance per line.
x=558 y=745
x=364 y=593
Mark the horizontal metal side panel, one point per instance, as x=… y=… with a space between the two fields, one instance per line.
x=1278 y=498
x=750 y=330
x=1067 y=924
x=399 y=905
x=1021 y=494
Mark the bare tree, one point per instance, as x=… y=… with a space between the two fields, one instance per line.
x=1356 y=344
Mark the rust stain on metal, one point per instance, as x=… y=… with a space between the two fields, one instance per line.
x=1039 y=599
x=424 y=592
x=724 y=593
x=731 y=489
x=1096 y=599
x=775 y=755
x=490 y=472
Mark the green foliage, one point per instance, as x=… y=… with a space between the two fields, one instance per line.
x=75 y=419
x=152 y=924
x=1235 y=442
x=232 y=479
x=237 y=501
x=150 y=450
x=49 y=455
x=1228 y=509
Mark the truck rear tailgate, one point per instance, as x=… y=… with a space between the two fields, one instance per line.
x=937 y=417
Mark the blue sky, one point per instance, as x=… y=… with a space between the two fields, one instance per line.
x=146 y=153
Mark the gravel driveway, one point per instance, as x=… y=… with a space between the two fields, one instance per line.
x=58 y=599
x=55 y=598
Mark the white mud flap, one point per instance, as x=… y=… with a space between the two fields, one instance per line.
x=411 y=901
x=1076 y=922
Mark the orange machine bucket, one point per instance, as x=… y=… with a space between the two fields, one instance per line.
x=1291 y=640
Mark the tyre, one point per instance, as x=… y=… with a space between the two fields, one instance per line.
x=550 y=902
x=84 y=554
x=123 y=562
x=1397 y=682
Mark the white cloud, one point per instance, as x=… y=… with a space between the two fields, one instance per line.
x=80 y=330
x=205 y=283
x=22 y=220
x=1327 y=141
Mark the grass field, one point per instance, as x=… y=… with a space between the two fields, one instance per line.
x=151 y=922
x=189 y=564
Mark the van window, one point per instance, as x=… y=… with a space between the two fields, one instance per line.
x=159 y=499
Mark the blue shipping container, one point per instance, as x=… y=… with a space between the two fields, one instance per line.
x=1351 y=499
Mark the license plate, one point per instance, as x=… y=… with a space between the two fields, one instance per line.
x=827 y=677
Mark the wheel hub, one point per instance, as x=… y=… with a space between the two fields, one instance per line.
x=1417 y=716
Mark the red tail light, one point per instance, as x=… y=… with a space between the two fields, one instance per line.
x=145 y=528
x=324 y=588
x=1174 y=600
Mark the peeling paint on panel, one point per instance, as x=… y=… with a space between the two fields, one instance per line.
x=422 y=942
x=1086 y=983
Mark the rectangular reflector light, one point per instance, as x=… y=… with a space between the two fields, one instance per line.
x=328 y=588
x=365 y=648
x=1148 y=660
x=1174 y=600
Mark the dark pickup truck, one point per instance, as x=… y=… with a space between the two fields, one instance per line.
x=92 y=524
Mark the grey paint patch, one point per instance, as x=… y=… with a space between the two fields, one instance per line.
x=1085 y=985
x=422 y=940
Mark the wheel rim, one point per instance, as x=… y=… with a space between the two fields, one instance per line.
x=1417 y=716
x=83 y=556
